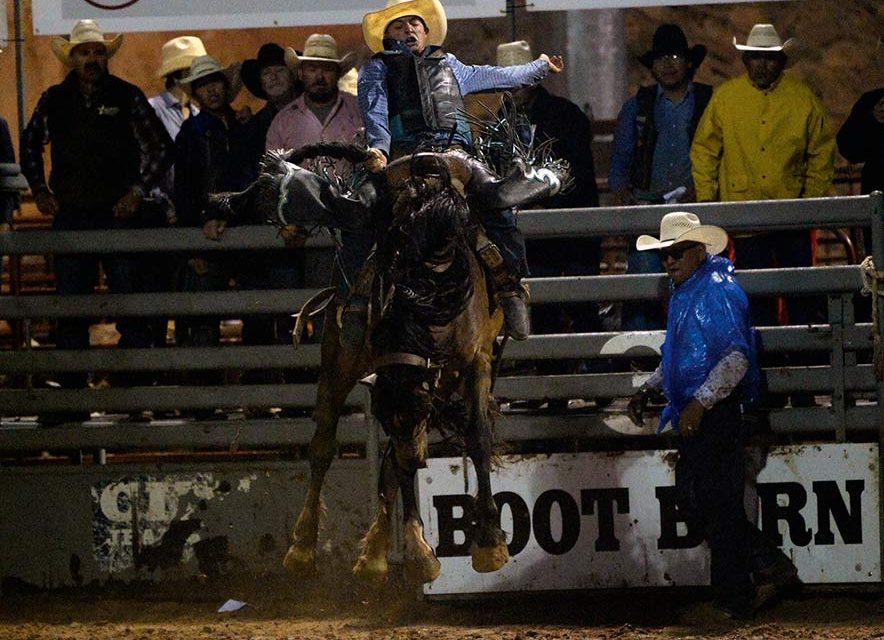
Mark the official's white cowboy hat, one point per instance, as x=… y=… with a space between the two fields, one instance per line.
x=178 y=53
x=84 y=31
x=203 y=66
x=319 y=47
x=430 y=11
x=681 y=226
x=764 y=37
x=510 y=54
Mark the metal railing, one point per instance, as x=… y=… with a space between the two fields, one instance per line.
x=841 y=338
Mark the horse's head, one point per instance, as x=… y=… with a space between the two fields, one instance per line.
x=424 y=255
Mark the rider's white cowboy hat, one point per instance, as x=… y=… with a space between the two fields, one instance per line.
x=203 y=66
x=178 y=53
x=764 y=37
x=510 y=54
x=84 y=31
x=319 y=47
x=430 y=11
x=681 y=226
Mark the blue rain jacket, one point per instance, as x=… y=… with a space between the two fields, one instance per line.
x=708 y=318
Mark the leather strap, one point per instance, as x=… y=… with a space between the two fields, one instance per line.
x=400 y=357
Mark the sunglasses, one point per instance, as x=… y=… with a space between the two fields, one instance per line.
x=677 y=252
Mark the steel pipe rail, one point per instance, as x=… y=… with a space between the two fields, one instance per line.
x=35 y=401
x=278 y=433
x=799 y=281
x=767 y=215
x=754 y=215
x=563 y=346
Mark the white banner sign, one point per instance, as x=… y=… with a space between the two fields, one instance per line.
x=579 y=521
x=567 y=5
x=58 y=16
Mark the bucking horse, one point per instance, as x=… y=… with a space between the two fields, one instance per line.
x=433 y=325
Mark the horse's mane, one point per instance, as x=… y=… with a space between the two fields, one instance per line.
x=434 y=229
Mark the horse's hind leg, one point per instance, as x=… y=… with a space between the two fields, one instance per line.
x=372 y=563
x=339 y=371
x=489 y=552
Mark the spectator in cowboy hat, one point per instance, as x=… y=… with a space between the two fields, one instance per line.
x=652 y=143
x=108 y=149
x=709 y=368
x=766 y=135
x=323 y=112
x=269 y=77
x=215 y=152
x=173 y=105
x=570 y=131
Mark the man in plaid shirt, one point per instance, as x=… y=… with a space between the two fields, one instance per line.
x=108 y=150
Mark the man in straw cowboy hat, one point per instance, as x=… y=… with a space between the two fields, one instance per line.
x=562 y=122
x=214 y=152
x=412 y=91
x=766 y=135
x=173 y=106
x=652 y=143
x=107 y=150
x=322 y=113
x=709 y=368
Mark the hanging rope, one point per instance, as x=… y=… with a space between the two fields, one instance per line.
x=871 y=281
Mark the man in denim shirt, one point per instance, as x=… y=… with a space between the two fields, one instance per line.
x=652 y=146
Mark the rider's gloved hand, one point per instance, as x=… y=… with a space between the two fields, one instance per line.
x=376 y=161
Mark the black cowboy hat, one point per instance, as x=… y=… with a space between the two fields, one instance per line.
x=269 y=55
x=670 y=39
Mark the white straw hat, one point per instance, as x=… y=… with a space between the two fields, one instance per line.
x=681 y=226
x=764 y=37
x=84 y=31
x=510 y=54
x=178 y=53
x=203 y=66
x=319 y=47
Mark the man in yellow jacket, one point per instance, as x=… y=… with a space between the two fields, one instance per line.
x=765 y=135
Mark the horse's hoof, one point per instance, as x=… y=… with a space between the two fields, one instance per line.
x=300 y=560
x=423 y=569
x=488 y=559
x=371 y=569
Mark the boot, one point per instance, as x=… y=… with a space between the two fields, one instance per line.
x=515 y=313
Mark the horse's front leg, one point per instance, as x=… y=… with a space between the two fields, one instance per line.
x=421 y=563
x=339 y=371
x=401 y=398
x=489 y=551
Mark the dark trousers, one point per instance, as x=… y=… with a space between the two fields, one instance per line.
x=710 y=482
x=78 y=275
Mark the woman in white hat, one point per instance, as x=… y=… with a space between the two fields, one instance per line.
x=412 y=91
x=709 y=368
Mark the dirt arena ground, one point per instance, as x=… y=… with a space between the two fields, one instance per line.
x=340 y=610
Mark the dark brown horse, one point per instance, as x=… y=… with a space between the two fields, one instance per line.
x=433 y=327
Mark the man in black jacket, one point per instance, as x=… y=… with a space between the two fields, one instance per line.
x=108 y=150
x=570 y=130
